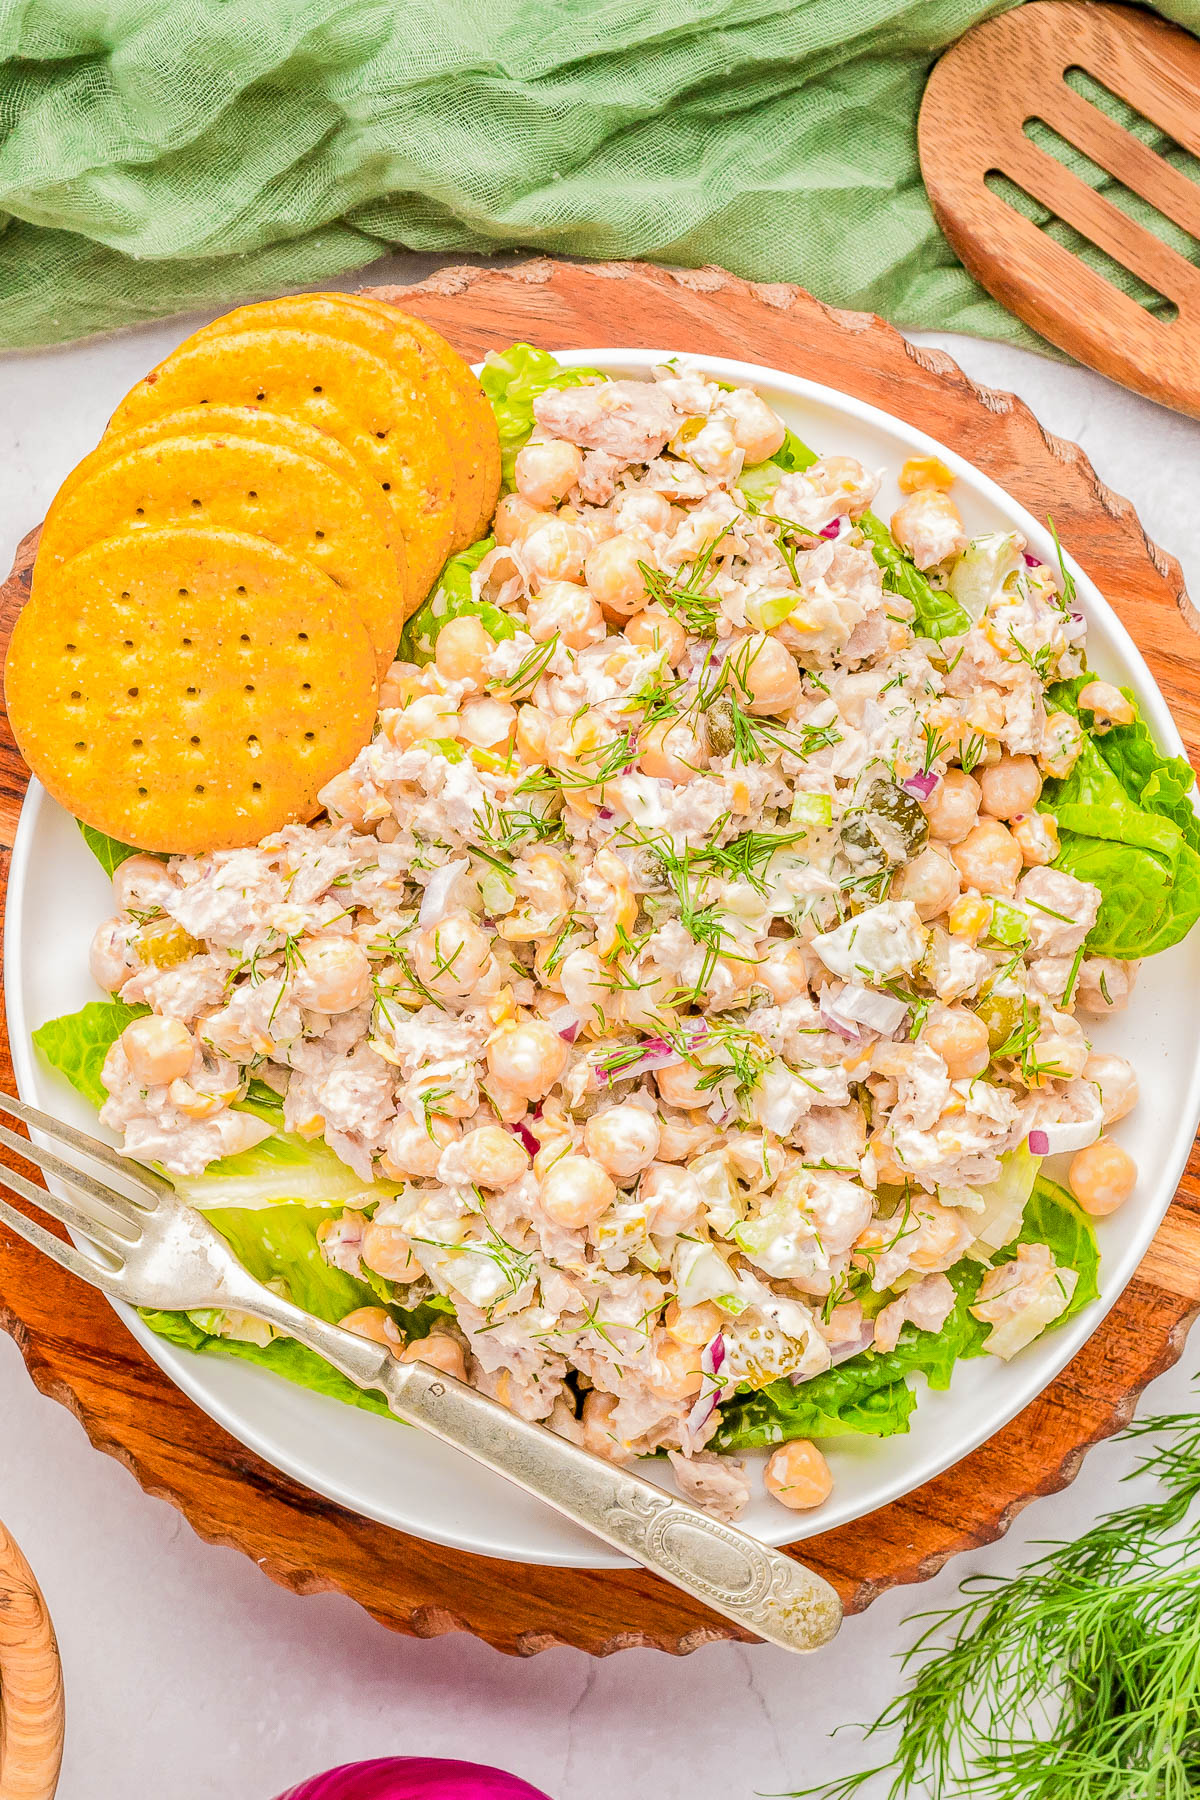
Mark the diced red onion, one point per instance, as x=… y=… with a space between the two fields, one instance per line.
x=843 y=1027
x=604 y=812
x=521 y=1130
x=711 y=1358
x=657 y=1053
x=414 y=1778
x=437 y=893
x=855 y=1347
x=832 y=530
x=920 y=785
x=567 y=1022
x=1031 y=562
x=1039 y=1144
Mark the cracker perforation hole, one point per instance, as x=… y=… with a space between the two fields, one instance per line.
x=132 y=692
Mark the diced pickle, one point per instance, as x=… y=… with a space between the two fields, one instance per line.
x=901 y=810
x=1001 y=1013
x=719 y=724
x=163 y=944
x=888 y=829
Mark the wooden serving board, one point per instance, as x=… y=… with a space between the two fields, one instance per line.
x=78 y=1353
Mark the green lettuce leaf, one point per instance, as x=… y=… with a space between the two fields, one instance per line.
x=283 y=1167
x=109 y=852
x=512 y=379
x=869 y=1393
x=938 y=614
x=452 y=599
x=78 y=1043
x=1126 y=825
x=278 y=1244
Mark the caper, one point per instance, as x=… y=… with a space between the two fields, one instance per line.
x=163 y=944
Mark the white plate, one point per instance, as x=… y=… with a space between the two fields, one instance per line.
x=57 y=895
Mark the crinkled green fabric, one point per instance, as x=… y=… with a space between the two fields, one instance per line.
x=157 y=155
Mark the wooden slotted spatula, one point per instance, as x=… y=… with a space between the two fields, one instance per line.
x=979 y=99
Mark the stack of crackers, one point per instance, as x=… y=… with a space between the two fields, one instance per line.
x=221 y=584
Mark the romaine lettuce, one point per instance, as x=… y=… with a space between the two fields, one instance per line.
x=109 y=852
x=278 y=1244
x=77 y=1043
x=937 y=614
x=451 y=599
x=869 y=1393
x=1126 y=824
x=512 y=379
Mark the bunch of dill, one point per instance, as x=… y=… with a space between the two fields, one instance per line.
x=1078 y=1677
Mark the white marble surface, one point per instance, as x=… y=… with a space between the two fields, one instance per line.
x=188 y=1672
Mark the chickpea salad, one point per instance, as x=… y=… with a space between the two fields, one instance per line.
x=664 y=1026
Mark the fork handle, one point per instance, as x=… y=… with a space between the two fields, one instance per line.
x=757 y=1587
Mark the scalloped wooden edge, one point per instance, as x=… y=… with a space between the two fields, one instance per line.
x=1178 y=1238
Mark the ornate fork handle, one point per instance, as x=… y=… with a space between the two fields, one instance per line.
x=755 y=1586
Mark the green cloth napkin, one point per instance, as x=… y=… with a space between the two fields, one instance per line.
x=158 y=155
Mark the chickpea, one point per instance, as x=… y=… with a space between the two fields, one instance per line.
x=678 y=1373
x=401 y=684
x=1036 y=835
x=585 y=981
x=679 y=1085
x=568 y=609
x=953 y=806
x=623 y=1139
x=158 y=1050
x=334 y=975
x=1062 y=746
x=929 y=526
x=555 y=551
x=670 y=751
x=655 y=629
x=462 y=650
x=798 y=1476
x=438 y=1351
x=376 y=1323
x=769 y=673
x=695 y=1325
x=989 y=858
x=450 y=957
x=111 y=958
x=412 y=1149
x=680 y=1138
x=783 y=973
x=533 y=734
x=756 y=429
x=493 y=1157
x=614 y=579
x=141 y=883
x=599 y=1433
x=342 y=797
x=1102 y=1177
x=488 y=723
x=1107 y=705
x=386 y=1250
x=641 y=511
x=546 y=473
x=1118 y=1084
x=675 y=1196
x=960 y=1039
x=515 y=517
x=930 y=881
x=576 y=1191
x=1010 y=787
x=527 y=1059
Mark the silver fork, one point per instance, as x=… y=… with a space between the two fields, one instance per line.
x=146 y=1246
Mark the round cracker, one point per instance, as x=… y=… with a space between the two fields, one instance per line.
x=384 y=333
x=189 y=690
x=341 y=389
x=266 y=428
x=234 y=484
x=484 y=432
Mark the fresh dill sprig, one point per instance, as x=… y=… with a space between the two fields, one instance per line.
x=1065 y=575
x=1080 y=1676
x=687 y=597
